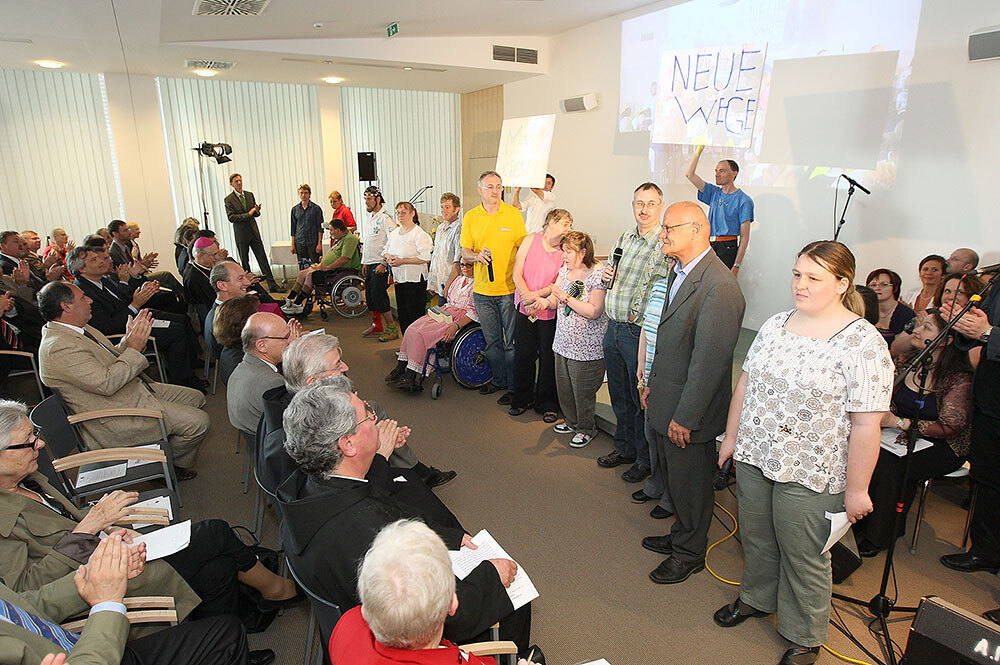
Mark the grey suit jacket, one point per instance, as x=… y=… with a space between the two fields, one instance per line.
x=244 y=225
x=245 y=391
x=690 y=381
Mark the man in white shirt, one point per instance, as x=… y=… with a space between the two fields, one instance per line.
x=535 y=209
x=447 y=248
x=265 y=337
x=376 y=234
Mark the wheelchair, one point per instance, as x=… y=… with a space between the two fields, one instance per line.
x=343 y=291
x=464 y=358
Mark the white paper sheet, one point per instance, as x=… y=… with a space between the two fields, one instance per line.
x=399 y=479
x=889 y=435
x=161 y=323
x=521 y=591
x=839 y=524
x=597 y=662
x=155 y=502
x=104 y=474
x=164 y=542
x=138 y=462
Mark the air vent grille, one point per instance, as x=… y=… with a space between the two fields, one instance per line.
x=229 y=7
x=528 y=56
x=218 y=65
x=504 y=53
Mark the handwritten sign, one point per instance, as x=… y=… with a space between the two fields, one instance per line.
x=709 y=95
x=523 y=156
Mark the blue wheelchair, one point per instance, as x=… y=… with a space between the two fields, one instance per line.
x=464 y=358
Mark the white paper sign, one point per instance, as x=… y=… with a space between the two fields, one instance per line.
x=523 y=156
x=709 y=95
x=101 y=475
x=166 y=541
x=521 y=590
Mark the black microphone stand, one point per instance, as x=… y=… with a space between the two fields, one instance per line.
x=880 y=605
x=843 y=215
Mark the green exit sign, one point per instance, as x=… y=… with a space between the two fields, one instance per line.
x=392 y=29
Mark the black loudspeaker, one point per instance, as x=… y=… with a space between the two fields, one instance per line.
x=366 y=167
x=844 y=559
x=943 y=634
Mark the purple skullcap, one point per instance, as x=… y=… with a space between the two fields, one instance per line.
x=203 y=242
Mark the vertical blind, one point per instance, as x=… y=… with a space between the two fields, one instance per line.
x=58 y=167
x=274 y=129
x=415 y=136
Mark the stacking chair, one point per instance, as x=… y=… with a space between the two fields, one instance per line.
x=23 y=372
x=140 y=609
x=322 y=613
x=152 y=352
x=67 y=451
x=925 y=488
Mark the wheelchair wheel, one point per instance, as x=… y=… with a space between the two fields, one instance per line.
x=348 y=297
x=468 y=358
x=436 y=390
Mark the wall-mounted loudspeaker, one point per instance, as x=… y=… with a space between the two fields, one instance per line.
x=582 y=103
x=984 y=44
x=366 y=167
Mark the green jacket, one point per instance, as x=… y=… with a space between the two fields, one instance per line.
x=102 y=641
x=29 y=534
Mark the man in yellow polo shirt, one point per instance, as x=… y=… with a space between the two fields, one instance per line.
x=491 y=234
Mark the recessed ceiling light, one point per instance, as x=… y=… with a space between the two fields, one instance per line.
x=205 y=73
x=50 y=64
x=333 y=79
x=407 y=69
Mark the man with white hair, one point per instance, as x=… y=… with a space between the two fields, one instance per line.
x=407 y=591
x=341 y=495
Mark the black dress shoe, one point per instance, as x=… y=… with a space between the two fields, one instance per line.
x=489 y=389
x=992 y=615
x=659 y=544
x=504 y=399
x=636 y=473
x=660 y=513
x=640 y=496
x=266 y=605
x=613 y=459
x=735 y=614
x=673 y=570
x=185 y=474
x=967 y=562
x=437 y=477
x=261 y=657
x=867 y=549
x=800 y=656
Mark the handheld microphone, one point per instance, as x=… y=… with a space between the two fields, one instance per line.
x=489 y=268
x=856 y=184
x=575 y=291
x=616 y=258
x=721 y=479
x=985 y=269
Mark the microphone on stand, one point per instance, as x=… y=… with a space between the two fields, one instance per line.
x=985 y=269
x=575 y=291
x=616 y=258
x=856 y=184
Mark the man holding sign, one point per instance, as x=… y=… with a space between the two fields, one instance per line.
x=730 y=210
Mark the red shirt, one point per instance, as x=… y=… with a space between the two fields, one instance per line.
x=344 y=214
x=352 y=643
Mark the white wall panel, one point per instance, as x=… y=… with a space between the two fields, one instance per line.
x=274 y=130
x=57 y=167
x=415 y=136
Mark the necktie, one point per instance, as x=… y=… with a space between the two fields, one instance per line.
x=37 y=625
x=9 y=335
x=146 y=380
x=243 y=200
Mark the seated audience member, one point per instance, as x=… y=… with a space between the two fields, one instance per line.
x=407 y=591
x=254 y=279
x=123 y=249
x=426 y=332
x=932 y=271
x=307 y=360
x=341 y=495
x=961 y=261
x=182 y=238
x=944 y=420
x=342 y=212
x=228 y=280
x=20 y=330
x=893 y=315
x=114 y=301
x=30 y=633
x=952 y=295
x=870 y=299
x=38 y=265
x=48 y=537
x=264 y=337
x=343 y=258
x=227 y=327
x=12 y=261
x=59 y=244
x=197 y=287
x=90 y=373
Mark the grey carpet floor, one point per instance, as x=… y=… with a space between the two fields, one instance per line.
x=572 y=527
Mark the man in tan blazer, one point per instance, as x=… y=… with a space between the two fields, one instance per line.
x=90 y=373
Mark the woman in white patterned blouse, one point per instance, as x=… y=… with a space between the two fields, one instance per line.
x=803 y=428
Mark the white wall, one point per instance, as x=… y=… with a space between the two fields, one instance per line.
x=943 y=197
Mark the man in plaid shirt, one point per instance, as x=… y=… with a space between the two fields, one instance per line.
x=641 y=265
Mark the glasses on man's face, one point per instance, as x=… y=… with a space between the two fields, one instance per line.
x=492 y=188
x=668 y=228
x=641 y=205
x=369 y=414
x=284 y=338
x=30 y=443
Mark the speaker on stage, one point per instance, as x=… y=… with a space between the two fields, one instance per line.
x=366 y=167
x=943 y=634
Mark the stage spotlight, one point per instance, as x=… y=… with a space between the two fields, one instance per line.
x=218 y=151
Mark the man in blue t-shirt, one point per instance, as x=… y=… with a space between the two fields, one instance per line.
x=730 y=210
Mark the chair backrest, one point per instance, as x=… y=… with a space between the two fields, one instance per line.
x=327 y=614
x=61 y=439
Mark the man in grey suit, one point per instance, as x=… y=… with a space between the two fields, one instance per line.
x=689 y=386
x=242 y=211
x=265 y=337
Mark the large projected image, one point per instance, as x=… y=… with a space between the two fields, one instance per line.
x=790 y=89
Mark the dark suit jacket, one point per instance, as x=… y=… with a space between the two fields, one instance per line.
x=36 y=280
x=691 y=377
x=244 y=225
x=119 y=255
x=108 y=313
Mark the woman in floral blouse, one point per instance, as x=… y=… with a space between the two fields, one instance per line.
x=803 y=428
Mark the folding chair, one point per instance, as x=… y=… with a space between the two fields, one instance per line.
x=925 y=488
x=22 y=372
x=140 y=609
x=151 y=354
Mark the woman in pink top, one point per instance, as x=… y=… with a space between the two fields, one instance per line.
x=535 y=267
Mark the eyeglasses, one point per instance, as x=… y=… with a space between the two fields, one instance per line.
x=369 y=415
x=30 y=443
x=884 y=285
x=286 y=336
x=639 y=205
x=492 y=188
x=668 y=229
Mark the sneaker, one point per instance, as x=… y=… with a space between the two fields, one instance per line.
x=562 y=428
x=293 y=309
x=391 y=333
x=580 y=440
x=373 y=331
